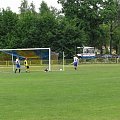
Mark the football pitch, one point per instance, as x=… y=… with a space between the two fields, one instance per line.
x=90 y=93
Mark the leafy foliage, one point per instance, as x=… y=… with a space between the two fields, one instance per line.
x=80 y=22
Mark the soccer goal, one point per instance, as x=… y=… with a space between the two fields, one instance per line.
x=38 y=59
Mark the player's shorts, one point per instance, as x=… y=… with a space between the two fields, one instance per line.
x=17 y=66
x=27 y=67
x=75 y=64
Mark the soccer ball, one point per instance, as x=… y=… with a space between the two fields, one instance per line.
x=60 y=69
x=46 y=70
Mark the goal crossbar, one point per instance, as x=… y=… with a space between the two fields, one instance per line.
x=27 y=49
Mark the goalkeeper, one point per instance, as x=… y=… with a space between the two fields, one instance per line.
x=26 y=65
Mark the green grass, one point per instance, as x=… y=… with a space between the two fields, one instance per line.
x=90 y=93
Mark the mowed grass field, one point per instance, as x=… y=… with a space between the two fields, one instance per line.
x=90 y=93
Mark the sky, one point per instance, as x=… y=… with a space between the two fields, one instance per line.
x=14 y=4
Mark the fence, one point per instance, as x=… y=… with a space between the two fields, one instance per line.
x=66 y=61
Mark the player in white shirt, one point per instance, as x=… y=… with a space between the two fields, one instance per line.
x=75 y=62
x=17 y=62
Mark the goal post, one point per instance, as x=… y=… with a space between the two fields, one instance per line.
x=38 y=59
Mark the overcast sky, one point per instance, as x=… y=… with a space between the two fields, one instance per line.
x=14 y=4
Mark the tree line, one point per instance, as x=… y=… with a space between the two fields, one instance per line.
x=79 y=23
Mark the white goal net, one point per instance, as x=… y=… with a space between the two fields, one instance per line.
x=38 y=59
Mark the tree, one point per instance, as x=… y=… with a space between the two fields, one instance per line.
x=32 y=7
x=24 y=6
x=8 y=21
x=44 y=9
x=87 y=16
x=27 y=30
x=110 y=14
x=47 y=26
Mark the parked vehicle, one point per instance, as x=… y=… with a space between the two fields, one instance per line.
x=86 y=52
